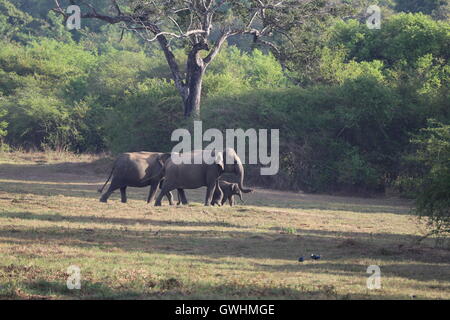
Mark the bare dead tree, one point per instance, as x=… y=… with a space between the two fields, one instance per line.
x=192 y=21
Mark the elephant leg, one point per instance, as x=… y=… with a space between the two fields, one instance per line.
x=105 y=196
x=231 y=200
x=113 y=187
x=216 y=197
x=182 y=197
x=152 y=192
x=209 y=194
x=166 y=188
x=212 y=183
x=159 y=199
x=123 y=194
x=179 y=198
x=224 y=199
x=216 y=200
x=170 y=198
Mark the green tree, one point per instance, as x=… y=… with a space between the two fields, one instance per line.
x=191 y=24
x=437 y=8
x=3 y=123
x=403 y=39
x=13 y=22
x=433 y=195
x=38 y=111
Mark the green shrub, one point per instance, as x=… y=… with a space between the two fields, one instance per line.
x=331 y=137
x=433 y=193
x=145 y=118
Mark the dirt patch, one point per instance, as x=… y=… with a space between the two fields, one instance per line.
x=349 y=243
x=171 y=284
x=282 y=239
x=258 y=237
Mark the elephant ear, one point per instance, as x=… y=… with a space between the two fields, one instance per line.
x=219 y=160
x=163 y=158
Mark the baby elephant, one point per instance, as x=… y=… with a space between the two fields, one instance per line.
x=229 y=190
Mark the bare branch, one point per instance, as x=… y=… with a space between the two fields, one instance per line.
x=90 y=6
x=271 y=45
x=176 y=24
x=255 y=14
x=217 y=6
x=166 y=33
x=114 y=2
x=179 y=10
x=59 y=10
x=207 y=60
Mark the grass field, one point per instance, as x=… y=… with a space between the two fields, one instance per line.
x=50 y=219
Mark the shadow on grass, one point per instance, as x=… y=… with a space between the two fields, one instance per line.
x=279 y=233
x=423 y=272
x=42 y=289
x=86 y=191
x=57 y=172
x=419 y=263
x=112 y=220
x=258 y=198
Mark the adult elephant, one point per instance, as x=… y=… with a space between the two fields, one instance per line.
x=137 y=169
x=192 y=175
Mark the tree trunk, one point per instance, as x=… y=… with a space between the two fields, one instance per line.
x=194 y=78
x=193 y=97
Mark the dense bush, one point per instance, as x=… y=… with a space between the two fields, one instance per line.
x=145 y=119
x=432 y=183
x=402 y=40
x=332 y=137
x=39 y=84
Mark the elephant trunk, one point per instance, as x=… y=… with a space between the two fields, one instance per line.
x=240 y=173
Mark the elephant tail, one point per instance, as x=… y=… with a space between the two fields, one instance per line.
x=100 y=190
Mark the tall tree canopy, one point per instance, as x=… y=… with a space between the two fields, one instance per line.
x=201 y=26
